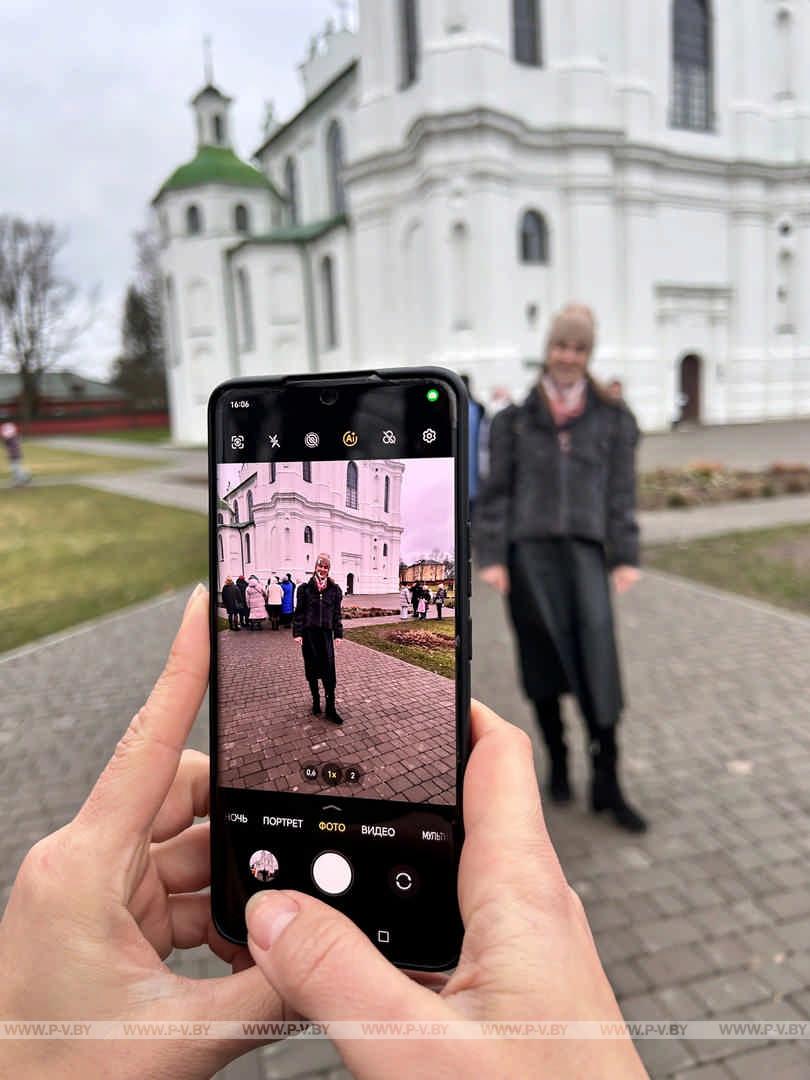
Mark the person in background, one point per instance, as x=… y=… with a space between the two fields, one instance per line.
x=10 y=434
x=556 y=523
x=404 y=602
x=499 y=399
x=275 y=599
x=441 y=596
x=288 y=600
x=476 y=415
x=244 y=607
x=256 y=599
x=232 y=600
x=615 y=389
x=97 y=907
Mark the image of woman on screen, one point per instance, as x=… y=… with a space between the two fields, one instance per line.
x=317 y=625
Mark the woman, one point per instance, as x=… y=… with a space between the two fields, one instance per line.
x=232 y=599
x=441 y=596
x=404 y=603
x=255 y=598
x=318 y=628
x=556 y=515
x=275 y=598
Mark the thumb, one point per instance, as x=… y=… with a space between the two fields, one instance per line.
x=324 y=967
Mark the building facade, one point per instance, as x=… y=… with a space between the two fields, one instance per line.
x=281 y=515
x=461 y=168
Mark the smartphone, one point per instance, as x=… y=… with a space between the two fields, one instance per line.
x=340 y=650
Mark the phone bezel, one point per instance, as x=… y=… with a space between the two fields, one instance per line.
x=342 y=381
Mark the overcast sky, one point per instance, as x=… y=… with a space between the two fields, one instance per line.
x=95 y=100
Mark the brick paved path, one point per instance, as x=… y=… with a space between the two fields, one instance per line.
x=707 y=915
x=398 y=721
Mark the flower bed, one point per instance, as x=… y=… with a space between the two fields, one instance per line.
x=705 y=482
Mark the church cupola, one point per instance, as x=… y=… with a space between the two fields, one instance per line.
x=212 y=109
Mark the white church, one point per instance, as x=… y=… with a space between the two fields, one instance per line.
x=461 y=168
x=280 y=516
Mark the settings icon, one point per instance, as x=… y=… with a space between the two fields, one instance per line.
x=429 y=436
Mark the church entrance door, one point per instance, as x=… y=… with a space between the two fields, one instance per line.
x=690 y=388
x=349 y=584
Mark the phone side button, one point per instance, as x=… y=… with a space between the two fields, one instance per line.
x=470 y=635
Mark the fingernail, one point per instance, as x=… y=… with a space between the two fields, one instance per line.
x=267 y=914
x=195 y=593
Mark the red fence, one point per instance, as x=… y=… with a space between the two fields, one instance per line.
x=83 y=425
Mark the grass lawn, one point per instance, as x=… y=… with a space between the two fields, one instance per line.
x=140 y=435
x=768 y=564
x=69 y=553
x=46 y=462
x=439 y=660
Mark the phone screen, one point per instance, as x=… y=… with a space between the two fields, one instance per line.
x=340 y=653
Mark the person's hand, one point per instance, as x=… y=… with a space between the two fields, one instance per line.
x=298 y=641
x=97 y=906
x=527 y=954
x=338 y=641
x=497 y=576
x=624 y=578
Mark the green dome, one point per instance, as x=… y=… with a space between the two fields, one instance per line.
x=215 y=165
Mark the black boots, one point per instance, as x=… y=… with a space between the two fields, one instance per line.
x=331 y=712
x=550 y=721
x=316 y=698
x=606 y=794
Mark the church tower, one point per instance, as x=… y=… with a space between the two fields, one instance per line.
x=205 y=209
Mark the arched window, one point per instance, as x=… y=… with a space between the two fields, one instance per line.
x=194 y=221
x=241 y=218
x=221 y=550
x=387 y=495
x=307 y=472
x=330 y=326
x=218 y=129
x=272 y=472
x=236 y=511
x=220 y=519
x=385 y=550
x=691 y=65
x=526 y=42
x=245 y=308
x=334 y=158
x=308 y=535
x=409 y=30
x=351 y=485
x=534 y=238
x=250 y=506
x=247 y=548
x=291 y=185
x=460 y=270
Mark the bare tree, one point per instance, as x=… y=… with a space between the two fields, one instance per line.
x=39 y=323
x=140 y=370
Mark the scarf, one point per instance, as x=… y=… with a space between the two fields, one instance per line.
x=565 y=403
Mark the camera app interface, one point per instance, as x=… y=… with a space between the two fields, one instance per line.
x=335 y=653
x=337 y=630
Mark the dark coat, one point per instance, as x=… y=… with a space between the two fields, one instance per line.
x=316 y=610
x=558 y=509
x=578 y=482
x=231 y=598
x=242 y=585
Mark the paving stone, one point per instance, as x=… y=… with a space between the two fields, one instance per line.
x=731 y=990
x=705 y=1072
x=663 y=933
x=662 y=1057
x=783 y=1062
x=676 y=964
